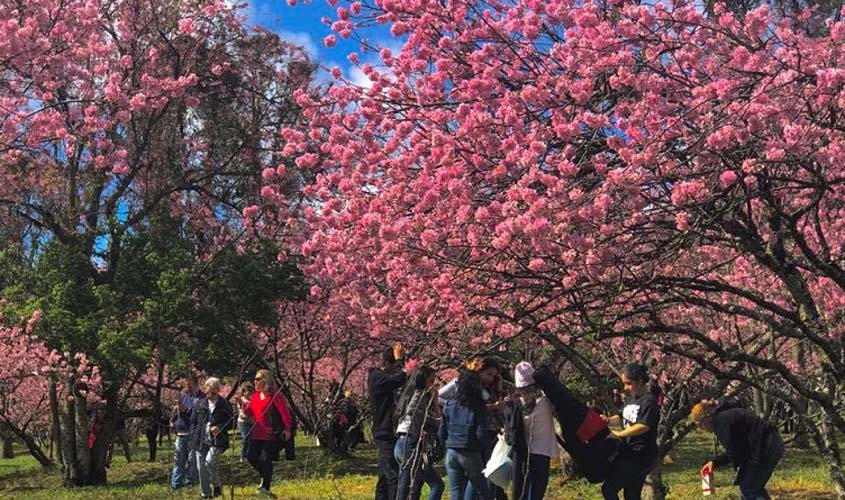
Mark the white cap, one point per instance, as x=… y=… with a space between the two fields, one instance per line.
x=523 y=375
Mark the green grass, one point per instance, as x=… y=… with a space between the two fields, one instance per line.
x=313 y=476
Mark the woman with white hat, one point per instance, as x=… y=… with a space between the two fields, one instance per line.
x=531 y=433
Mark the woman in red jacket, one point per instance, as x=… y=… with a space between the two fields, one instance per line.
x=272 y=427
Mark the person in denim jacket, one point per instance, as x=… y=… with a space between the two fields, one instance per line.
x=465 y=431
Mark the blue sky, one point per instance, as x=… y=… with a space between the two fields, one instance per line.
x=302 y=25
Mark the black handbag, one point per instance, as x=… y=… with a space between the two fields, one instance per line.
x=277 y=427
x=435 y=447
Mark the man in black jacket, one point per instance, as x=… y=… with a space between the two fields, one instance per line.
x=751 y=444
x=382 y=384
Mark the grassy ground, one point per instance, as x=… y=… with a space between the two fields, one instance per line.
x=313 y=476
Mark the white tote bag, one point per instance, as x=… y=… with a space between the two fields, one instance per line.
x=500 y=467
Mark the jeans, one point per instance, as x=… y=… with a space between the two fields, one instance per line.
x=464 y=467
x=628 y=474
x=245 y=428
x=260 y=457
x=184 y=464
x=208 y=465
x=531 y=484
x=414 y=470
x=388 y=470
x=753 y=477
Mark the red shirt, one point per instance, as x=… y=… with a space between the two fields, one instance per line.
x=260 y=409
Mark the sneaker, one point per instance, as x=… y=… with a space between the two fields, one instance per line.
x=264 y=492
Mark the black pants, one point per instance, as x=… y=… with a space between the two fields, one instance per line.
x=531 y=478
x=260 y=457
x=752 y=478
x=627 y=473
x=388 y=470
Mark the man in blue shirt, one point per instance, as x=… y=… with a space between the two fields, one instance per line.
x=185 y=460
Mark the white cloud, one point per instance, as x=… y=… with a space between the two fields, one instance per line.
x=304 y=40
x=358 y=78
x=373 y=58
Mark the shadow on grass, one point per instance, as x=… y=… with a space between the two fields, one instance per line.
x=311 y=463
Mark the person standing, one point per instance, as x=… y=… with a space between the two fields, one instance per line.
x=531 y=434
x=465 y=432
x=490 y=373
x=244 y=421
x=211 y=420
x=349 y=410
x=418 y=414
x=751 y=443
x=638 y=437
x=185 y=457
x=382 y=385
x=273 y=427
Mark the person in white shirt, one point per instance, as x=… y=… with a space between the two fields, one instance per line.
x=245 y=421
x=532 y=434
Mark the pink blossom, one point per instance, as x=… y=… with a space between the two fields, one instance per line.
x=268 y=174
x=138 y=101
x=250 y=211
x=537 y=265
x=727 y=178
x=186 y=26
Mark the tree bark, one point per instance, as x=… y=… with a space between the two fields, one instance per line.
x=55 y=422
x=834 y=456
x=8 y=441
x=8 y=447
x=68 y=438
x=83 y=453
x=99 y=454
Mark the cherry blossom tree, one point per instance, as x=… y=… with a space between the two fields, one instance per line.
x=610 y=171
x=316 y=345
x=117 y=116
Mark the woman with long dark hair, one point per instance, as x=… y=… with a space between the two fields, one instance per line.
x=417 y=414
x=465 y=431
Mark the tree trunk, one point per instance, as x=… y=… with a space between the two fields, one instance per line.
x=8 y=447
x=825 y=437
x=99 y=454
x=8 y=441
x=83 y=453
x=31 y=445
x=67 y=442
x=55 y=421
x=801 y=437
x=835 y=465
